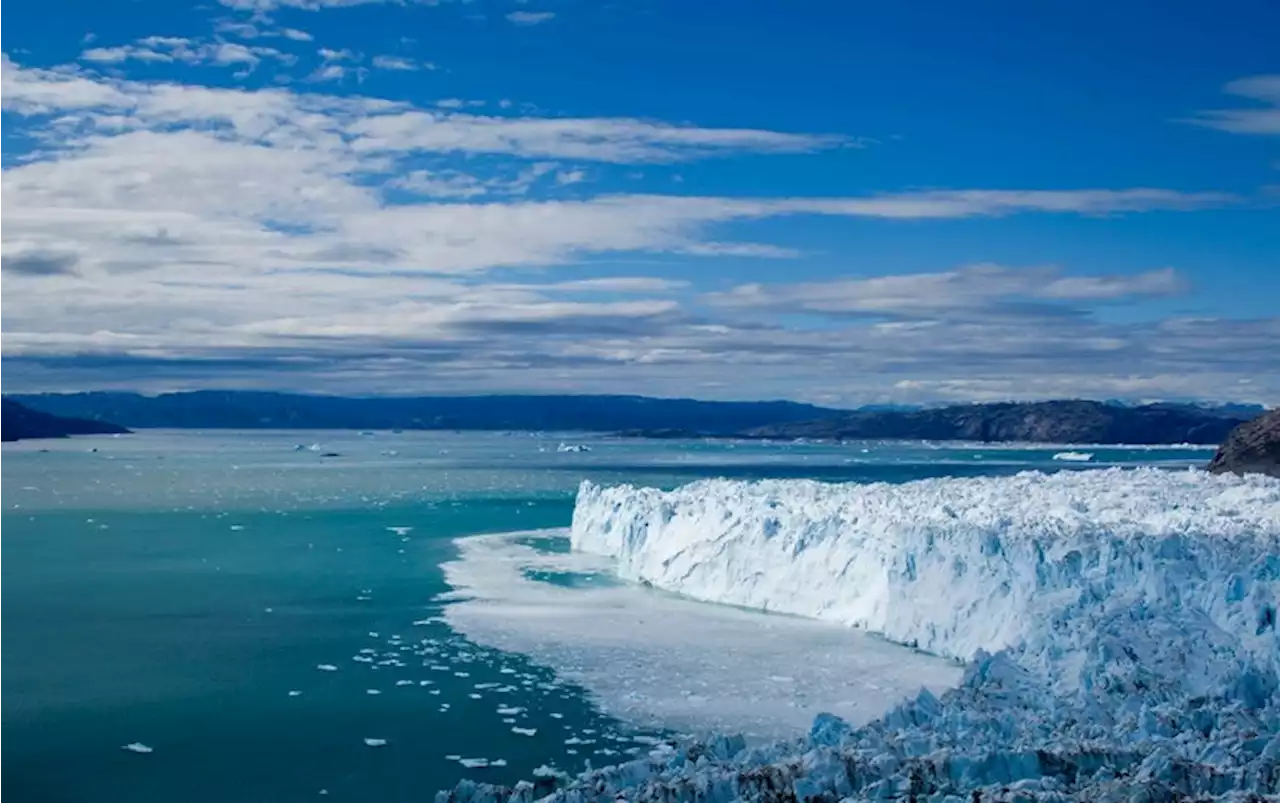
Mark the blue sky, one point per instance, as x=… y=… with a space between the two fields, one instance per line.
x=835 y=202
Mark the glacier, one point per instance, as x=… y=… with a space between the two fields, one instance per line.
x=1119 y=628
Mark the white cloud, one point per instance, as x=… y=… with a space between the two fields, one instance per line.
x=530 y=17
x=456 y=184
x=169 y=223
x=401 y=63
x=169 y=49
x=1262 y=118
x=296 y=35
x=263 y=6
x=596 y=139
x=567 y=177
x=973 y=291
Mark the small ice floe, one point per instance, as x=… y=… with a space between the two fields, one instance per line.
x=524 y=731
x=400 y=530
x=475 y=696
x=237 y=527
x=404 y=682
x=510 y=710
x=372 y=691
x=294 y=693
x=373 y=634
x=557 y=716
x=136 y=747
x=476 y=763
x=572 y=447
x=453 y=757
x=1074 y=457
x=326 y=667
x=268 y=610
x=375 y=742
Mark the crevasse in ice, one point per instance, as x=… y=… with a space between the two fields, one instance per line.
x=1120 y=628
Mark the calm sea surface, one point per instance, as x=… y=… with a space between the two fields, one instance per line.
x=260 y=608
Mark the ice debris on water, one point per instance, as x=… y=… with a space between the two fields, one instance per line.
x=136 y=747
x=375 y=742
x=326 y=667
x=1119 y=629
x=1074 y=457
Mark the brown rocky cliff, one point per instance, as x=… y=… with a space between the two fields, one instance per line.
x=1254 y=446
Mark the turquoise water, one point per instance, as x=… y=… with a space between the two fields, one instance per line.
x=173 y=588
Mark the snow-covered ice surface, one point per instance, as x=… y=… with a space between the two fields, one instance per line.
x=1120 y=627
x=660 y=660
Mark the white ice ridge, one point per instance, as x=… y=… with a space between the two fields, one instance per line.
x=1122 y=625
x=957 y=565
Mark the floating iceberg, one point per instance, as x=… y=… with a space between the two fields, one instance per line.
x=1120 y=629
x=573 y=447
x=1074 y=457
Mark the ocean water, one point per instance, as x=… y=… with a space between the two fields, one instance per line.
x=190 y=591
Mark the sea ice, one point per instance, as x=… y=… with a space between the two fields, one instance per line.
x=136 y=747
x=375 y=742
x=624 y=642
x=326 y=667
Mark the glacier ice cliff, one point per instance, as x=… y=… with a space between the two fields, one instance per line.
x=1120 y=628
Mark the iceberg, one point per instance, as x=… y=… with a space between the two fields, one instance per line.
x=1074 y=457
x=1119 y=628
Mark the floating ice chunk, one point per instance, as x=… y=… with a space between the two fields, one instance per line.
x=400 y=530
x=372 y=742
x=136 y=747
x=557 y=716
x=404 y=682
x=524 y=731
x=1074 y=457
x=510 y=710
x=474 y=763
x=326 y=667
x=372 y=691
x=294 y=693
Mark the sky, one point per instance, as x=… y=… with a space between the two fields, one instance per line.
x=837 y=202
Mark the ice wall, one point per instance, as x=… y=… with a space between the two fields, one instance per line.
x=957 y=565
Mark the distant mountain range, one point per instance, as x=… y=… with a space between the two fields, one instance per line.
x=209 y=409
x=20 y=422
x=1069 y=421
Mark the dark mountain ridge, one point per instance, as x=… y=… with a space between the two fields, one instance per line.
x=20 y=422
x=208 y=409
x=1251 y=447
x=1069 y=421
